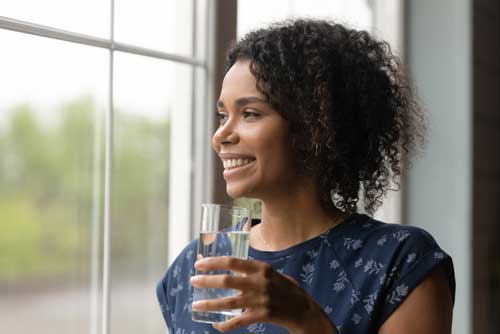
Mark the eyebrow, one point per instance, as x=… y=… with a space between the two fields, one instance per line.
x=244 y=101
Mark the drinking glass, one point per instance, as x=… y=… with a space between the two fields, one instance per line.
x=224 y=231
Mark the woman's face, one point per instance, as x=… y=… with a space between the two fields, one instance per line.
x=252 y=138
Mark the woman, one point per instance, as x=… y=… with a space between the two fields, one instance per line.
x=314 y=119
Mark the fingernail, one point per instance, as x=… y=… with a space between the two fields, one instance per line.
x=194 y=279
x=195 y=305
x=200 y=263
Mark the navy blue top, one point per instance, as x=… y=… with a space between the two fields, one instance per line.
x=359 y=271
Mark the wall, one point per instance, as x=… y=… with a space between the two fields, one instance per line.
x=438 y=193
x=486 y=173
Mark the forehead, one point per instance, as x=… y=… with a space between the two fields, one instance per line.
x=239 y=81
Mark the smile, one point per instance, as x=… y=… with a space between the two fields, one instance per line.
x=234 y=167
x=235 y=163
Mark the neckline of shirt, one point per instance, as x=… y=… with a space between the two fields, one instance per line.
x=305 y=245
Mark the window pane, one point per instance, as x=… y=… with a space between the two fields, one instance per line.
x=149 y=94
x=89 y=17
x=164 y=25
x=51 y=142
x=202 y=31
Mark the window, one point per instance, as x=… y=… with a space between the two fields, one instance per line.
x=97 y=113
x=51 y=158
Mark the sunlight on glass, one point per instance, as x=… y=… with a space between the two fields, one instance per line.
x=164 y=25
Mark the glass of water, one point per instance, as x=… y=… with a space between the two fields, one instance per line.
x=224 y=231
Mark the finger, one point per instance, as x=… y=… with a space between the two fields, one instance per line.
x=247 y=318
x=221 y=281
x=227 y=263
x=228 y=303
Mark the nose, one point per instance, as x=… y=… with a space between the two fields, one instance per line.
x=226 y=134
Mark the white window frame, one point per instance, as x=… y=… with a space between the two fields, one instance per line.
x=193 y=185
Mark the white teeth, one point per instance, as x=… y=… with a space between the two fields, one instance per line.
x=231 y=163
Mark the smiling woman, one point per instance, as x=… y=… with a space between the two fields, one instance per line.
x=311 y=114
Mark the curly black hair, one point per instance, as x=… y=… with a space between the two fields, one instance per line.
x=352 y=112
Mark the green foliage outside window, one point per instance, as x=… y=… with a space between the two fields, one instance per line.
x=47 y=187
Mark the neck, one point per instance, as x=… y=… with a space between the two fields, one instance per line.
x=294 y=216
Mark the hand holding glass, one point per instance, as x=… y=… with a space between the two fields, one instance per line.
x=224 y=231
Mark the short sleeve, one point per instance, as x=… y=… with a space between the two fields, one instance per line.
x=417 y=257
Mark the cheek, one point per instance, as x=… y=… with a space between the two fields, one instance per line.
x=276 y=157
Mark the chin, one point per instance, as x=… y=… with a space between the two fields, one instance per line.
x=236 y=191
x=233 y=192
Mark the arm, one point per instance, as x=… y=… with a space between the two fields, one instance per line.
x=428 y=309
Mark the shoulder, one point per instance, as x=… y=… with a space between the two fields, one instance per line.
x=398 y=249
x=404 y=245
x=388 y=261
x=366 y=235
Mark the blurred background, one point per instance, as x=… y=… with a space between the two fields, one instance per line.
x=106 y=113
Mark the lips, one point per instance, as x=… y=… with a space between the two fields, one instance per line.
x=238 y=170
x=234 y=163
x=227 y=156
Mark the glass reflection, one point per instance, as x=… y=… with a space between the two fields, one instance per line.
x=147 y=93
x=51 y=113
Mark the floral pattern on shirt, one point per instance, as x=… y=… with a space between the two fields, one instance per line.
x=359 y=272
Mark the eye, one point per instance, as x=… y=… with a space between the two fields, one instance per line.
x=221 y=118
x=250 y=114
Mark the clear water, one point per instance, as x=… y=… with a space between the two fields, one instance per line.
x=232 y=243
